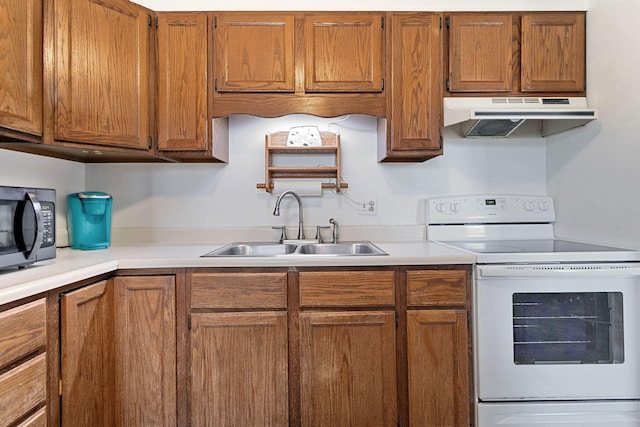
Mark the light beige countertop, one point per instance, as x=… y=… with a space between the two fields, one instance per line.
x=74 y=265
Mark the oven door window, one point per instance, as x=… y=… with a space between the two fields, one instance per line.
x=568 y=327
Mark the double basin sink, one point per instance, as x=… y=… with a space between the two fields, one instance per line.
x=271 y=249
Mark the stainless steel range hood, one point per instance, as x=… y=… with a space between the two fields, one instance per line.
x=500 y=117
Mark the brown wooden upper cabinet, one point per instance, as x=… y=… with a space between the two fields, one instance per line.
x=21 y=68
x=274 y=63
x=516 y=53
x=184 y=129
x=101 y=72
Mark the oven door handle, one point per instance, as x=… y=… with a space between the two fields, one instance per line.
x=595 y=270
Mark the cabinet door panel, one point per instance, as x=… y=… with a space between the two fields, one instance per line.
x=182 y=81
x=88 y=361
x=415 y=103
x=145 y=333
x=344 y=52
x=254 y=52
x=553 y=52
x=239 y=369
x=102 y=68
x=348 y=369
x=438 y=368
x=21 y=65
x=480 y=53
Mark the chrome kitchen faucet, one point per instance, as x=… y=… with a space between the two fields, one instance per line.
x=276 y=210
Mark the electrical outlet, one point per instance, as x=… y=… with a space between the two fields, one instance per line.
x=368 y=207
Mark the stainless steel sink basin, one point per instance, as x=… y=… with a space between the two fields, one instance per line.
x=267 y=249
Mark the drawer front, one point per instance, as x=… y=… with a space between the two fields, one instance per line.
x=39 y=419
x=436 y=288
x=239 y=290
x=23 y=388
x=347 y=289
x=22 y=331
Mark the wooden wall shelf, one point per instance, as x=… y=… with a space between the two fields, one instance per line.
x=276 y=143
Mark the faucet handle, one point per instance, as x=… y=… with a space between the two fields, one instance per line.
x=283 y=233
x=318 y=234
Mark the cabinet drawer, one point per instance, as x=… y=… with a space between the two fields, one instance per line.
x=39 y=419
x=347 y=289
x=23 y=388
x=22 y=331
x=436 y=288
x=239 y=290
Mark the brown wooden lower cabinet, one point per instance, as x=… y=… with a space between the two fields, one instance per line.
x=118 y=353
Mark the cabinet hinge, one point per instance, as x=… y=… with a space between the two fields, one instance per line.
x=150 y=141
x=382 y=23
x=447 y=22
x=382 y=88
x=396 y=320
x=189 y=322
x=215 y=22
x=215 y=85
x=149 y=21
x=60 y=387
x=447 y=84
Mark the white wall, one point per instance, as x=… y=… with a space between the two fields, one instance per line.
x=594 y=176
x=208 y=195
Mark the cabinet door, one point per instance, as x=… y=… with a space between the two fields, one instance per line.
x=481 y=53
x=438 y=359
x=87 y=360
x=239 y=369
x=343 y=52
x=182 y=81
x=21 y=66
x=414 y=105
x=118 y=353
x=145 y=341
x=254 y=52
x=348 y=369
x=101 y=73
x=553 y=52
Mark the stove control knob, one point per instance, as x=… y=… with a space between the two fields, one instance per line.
x=455 y=207
x=441 y=207
x=529 y=206
x=543 y=205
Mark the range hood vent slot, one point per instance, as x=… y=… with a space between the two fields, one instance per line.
x=500 y=117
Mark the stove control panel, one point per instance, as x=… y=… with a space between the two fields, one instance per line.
x=479 y=209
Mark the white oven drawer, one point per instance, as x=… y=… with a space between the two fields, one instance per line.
x=572 y=414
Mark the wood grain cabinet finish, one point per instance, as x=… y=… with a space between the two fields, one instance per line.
x=347 y=288
x=270 y=64
x=481 y=52
x=23 y=361
x=553 y=52
x=185 y=131
x=348 y=368
x=118 y=345
x=101 y=73
x=517 y=53
x=412 y=129
x=438 y=347
x=239 y=369
x=239 y=349
x=21 y=67
x=344 y=52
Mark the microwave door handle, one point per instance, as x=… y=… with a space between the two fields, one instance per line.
x=37 y=210
x=548 y=271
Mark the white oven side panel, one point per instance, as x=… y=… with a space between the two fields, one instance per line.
x=500 y=379
x=565 y=414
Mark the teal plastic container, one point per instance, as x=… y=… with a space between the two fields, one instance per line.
x=89 y=220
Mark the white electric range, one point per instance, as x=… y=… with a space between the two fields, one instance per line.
x=554 y=321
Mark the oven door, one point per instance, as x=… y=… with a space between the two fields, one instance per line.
x=557 y=332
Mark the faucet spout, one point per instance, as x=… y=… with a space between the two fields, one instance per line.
x=276 y=210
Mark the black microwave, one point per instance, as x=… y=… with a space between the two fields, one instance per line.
x=27 y=225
